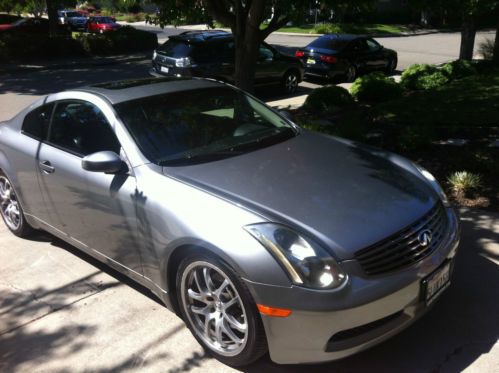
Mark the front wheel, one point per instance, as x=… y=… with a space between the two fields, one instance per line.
x=11 y=210
x=290 y=82
x=219 y=310
x=391 y=66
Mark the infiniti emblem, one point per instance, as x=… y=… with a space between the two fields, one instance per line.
x=424 y=237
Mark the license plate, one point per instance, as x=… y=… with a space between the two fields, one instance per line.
x=164 y=69
x=311 y=61
x=436 y=283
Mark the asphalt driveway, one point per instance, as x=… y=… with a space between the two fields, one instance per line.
x=62 y=311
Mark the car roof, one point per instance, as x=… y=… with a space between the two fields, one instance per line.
x=201 y=36
x=128 y=90
x=346 y=37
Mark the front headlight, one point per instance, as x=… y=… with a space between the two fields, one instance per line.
x=307 y=263
x=434 y=184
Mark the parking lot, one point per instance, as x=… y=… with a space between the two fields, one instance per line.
x=62 y=311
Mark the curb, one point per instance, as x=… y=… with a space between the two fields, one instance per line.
x=105 y=61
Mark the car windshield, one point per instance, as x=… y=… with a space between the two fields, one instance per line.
x=175 y=48
x=329 y=42
x=104 y=20
x=201 y=125
x=73 y=14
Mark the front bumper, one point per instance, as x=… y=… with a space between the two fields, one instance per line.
x=330 y=325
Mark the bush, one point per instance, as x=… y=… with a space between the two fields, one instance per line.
x=376 y=87
x=463 y=182
x=486 y=49
x=125 y=40
x=328 y=99
x=458 y=69
x=423 y=77
x=412 y=138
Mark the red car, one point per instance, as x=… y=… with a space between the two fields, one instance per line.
x=102 y=24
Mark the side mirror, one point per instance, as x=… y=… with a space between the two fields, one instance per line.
x=286 y=114
x=106 y=161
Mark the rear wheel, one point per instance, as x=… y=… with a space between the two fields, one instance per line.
x=290 y=82
x=11 y=210
x=351 y=73
x=219 y=310
x=391 y=66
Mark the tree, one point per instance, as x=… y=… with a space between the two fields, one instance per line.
x=469 y=10
x=246 y=20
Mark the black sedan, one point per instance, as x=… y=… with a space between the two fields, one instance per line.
x=333 y=55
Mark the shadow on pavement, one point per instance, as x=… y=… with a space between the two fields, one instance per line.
x=461 y=327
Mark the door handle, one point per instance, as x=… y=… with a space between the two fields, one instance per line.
x=47 y=167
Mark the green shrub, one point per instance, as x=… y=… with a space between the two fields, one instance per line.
x=463 y=182
x=486 y=49
x=376 y=87
x=410 y=77
x=432 y=81
x=125 y=40
x=328 y=99
x=424 y=77
x=458 y=69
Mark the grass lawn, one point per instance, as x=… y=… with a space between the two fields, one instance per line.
x=473 y=101
x=347 y=28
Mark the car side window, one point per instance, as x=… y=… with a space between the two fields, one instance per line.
x=80 y=127
x=36 y=123
x=265 y=53
x=372 y=45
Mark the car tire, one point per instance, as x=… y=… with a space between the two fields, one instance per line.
x=391 y=66
x=290 y=82
x=11 y=210
x=219 y=310
x=351 y=74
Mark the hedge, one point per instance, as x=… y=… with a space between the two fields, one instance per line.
x=328 y=99
x=376 y=87
x=16 y=46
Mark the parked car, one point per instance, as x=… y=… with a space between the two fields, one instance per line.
x=27 y=25
x=72 y=18
x=259 y=234
x=334 y=55
x=211 y=54
x=102 y=24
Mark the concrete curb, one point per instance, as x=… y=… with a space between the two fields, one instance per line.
x=102 y=61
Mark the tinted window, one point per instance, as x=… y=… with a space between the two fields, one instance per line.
x=175 y=48
x=329 y=42
x=358 y=46
x=80 y=128
x=36 y=123
x=201 y=124
x=372 y=45
x=265 y=53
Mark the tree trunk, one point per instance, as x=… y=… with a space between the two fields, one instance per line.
x=52 y=14
x=496 y=44
x=246 y=59
x=468 y=33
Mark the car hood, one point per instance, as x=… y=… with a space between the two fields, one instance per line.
x=345 y=196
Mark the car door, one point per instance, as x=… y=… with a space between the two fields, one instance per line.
x=376 y=55
x=268 y=69
x=95 y=210
x=33 y=131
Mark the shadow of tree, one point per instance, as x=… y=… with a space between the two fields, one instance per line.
x=455 y=333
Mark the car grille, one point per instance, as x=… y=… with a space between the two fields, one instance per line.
x=404 y=248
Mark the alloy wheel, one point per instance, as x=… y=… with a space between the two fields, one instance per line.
x=214 y=308
x=9 y=206
x=291 y=83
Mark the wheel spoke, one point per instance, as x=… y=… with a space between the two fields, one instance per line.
x=235 y=324
x=204 y=311
x=218 y=331
x=197 y=296
x=221 y=288
x=207 y=279
x=207 y=322
x=230 y=303
x=229 y=333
